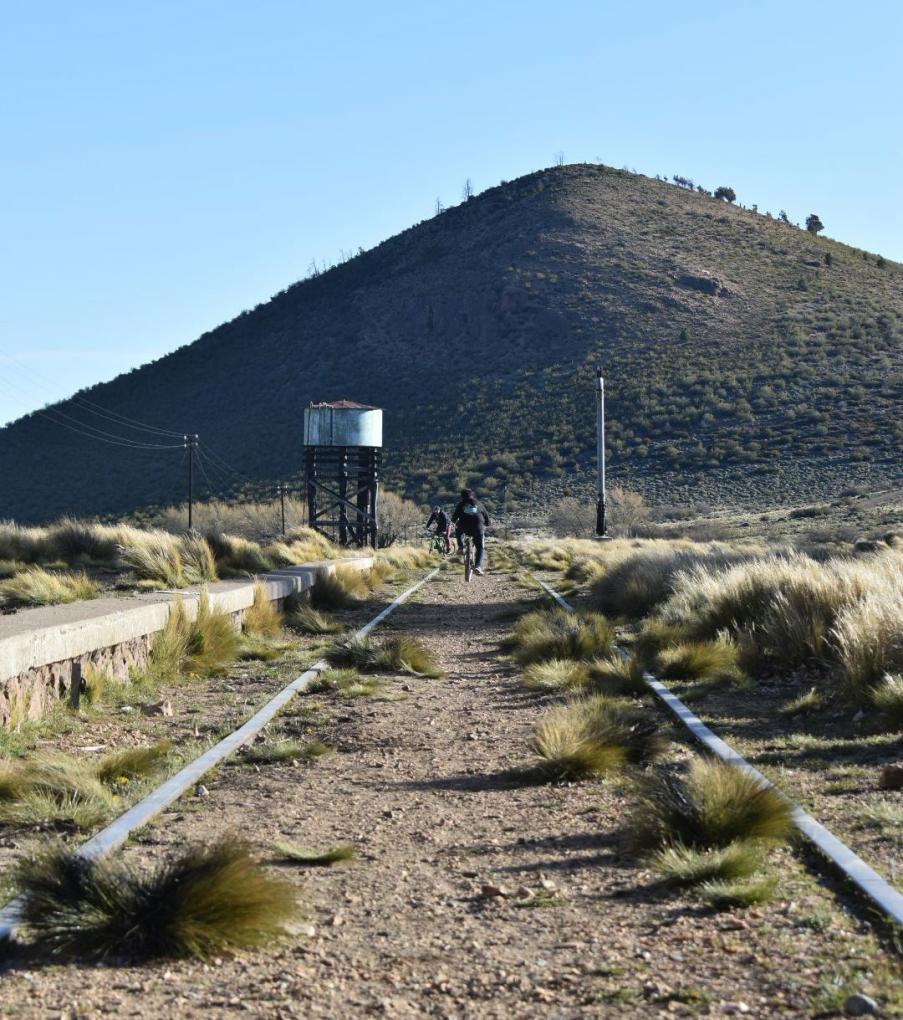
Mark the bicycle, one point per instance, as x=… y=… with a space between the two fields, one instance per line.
x=435 y=543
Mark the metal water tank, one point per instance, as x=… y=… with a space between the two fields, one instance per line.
x=343 y=423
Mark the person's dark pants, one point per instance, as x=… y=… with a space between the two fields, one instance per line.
x=477 y=539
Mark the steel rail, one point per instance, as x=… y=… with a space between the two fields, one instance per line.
x=882 y=894
x=117 y=832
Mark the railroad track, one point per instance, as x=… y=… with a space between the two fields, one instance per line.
x=149 y=807
x=880 y=893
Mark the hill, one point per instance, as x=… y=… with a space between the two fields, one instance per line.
x=747 y=361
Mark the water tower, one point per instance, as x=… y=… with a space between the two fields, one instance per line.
x=343 y=441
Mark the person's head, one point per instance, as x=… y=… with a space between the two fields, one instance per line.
x=437 y=509
x=467 y=494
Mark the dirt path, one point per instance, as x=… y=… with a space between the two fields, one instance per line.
x=418 y=786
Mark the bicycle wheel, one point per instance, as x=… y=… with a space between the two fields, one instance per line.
x=468 y=560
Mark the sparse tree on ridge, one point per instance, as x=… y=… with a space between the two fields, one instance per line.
x=725 y=194
x=439 y=206
x=814 y=224
x=467 y=190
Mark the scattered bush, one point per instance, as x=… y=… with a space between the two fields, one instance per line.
x=209 y=899
x=347 y=683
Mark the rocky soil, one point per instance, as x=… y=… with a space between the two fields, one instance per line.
x=471 y=896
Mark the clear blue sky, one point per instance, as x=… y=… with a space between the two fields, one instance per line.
x=166 y=165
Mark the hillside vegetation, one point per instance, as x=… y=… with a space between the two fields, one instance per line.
x=747 y=361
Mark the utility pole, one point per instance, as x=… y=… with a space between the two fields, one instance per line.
x=191 y=444
x=505 y=511
x=282 y=506
x=600 y=453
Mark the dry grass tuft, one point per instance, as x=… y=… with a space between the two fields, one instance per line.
x=307 y=620
x=559 y=634
x=209 y=899
x=197 y=559
x=289 y=854
x=564 y=750
x=714 y=806
x=236 y=555
x=35 y=586
x=132 y=763
x=287 y=750
x=729 y=895
x=337 y=588
x=157 y=558
x=802 y=704
x=347 y=683
x=555 y=675
x=405 y=654
x=616 y=675
x=212 y=641
x=262 y=618
x=593 y=736
x=887 y=698
x=683 y=865
x=714 y=661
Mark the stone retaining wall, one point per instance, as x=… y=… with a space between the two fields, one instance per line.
x=38 y=647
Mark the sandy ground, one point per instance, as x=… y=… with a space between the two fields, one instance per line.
x=418 y=785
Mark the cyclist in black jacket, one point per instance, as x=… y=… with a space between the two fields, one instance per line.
x=471 y=519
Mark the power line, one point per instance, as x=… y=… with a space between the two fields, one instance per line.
x=97 y=409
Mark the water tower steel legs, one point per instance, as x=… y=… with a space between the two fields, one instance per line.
x=342 y=492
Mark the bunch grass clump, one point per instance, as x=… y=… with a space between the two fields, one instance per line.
x=593 y=736
x=307 y=620
x=406 y=654
x=198 y=563
x=713 y=661
x=338 y=587
x=262 y=617
x=685 y=866
x=157 y=558
x=55 y=787
x=212 y=641
x=713 y=806
x=274 y=752
x=555 y=675
x=236 y=555
x=728 y=894
x=207 y=900
x=559 y=634
x=35 y=586
x=347 y=683
x=615 y=674
x=637 y=584
x=887 y=699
